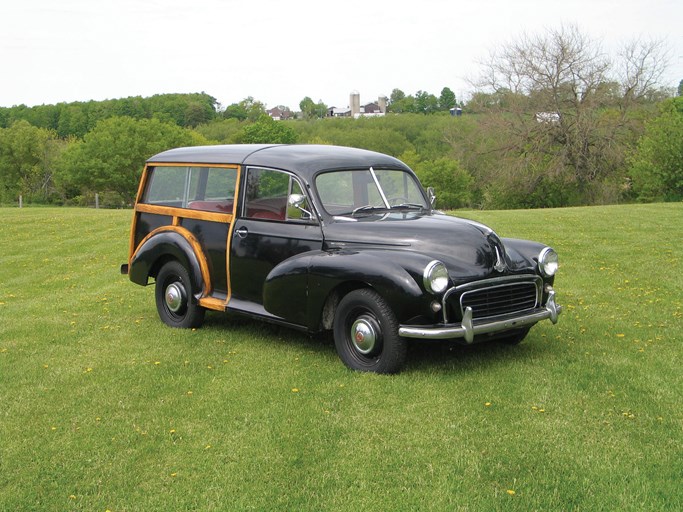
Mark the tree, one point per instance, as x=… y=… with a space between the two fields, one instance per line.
x=452 y=183
x=247 y=109
x=446 y=99
x=554 y=111
x=28 y=157
x=311 y=110
x=111 y=157
x=268 y=131
x=426 y=103
x=657 y=165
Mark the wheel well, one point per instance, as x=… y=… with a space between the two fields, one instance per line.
x=160 y=262
x=332 y=301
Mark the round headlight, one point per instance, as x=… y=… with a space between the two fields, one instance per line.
x=548 y=262
x=435 y=277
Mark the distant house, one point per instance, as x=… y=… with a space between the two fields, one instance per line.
x=278 y=114
x=339 y=112
x=371 y=109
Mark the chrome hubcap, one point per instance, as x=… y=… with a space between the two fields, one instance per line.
x=363 y=335
x=174 y=297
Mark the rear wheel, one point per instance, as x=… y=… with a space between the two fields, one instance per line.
x=174 y=299
x=366 y=333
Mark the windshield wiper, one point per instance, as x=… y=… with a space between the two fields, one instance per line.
x=368 y=208
x=408 y=206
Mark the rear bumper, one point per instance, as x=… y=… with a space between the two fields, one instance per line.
x=469 y=327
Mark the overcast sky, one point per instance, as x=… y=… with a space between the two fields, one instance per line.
x=281 y=51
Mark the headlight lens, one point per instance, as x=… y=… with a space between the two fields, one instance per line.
x=435 y=277
x=548 y=262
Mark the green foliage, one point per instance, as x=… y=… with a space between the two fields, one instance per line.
x=267 y=131
x=221 y=131
x=247 y=109
x=111 y=157
x=78 y=118
x=106 y=408
x=452 y=183
x=28 y=157
x=311 y=110
x=657 y=165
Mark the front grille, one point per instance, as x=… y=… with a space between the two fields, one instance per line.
x=501 y=299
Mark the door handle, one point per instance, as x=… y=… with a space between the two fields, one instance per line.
x=242 y=232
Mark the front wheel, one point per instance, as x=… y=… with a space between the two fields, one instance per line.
x=366 y=333
x=173 y=295
x=516 y=338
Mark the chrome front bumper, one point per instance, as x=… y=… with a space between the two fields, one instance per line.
x=469 y=327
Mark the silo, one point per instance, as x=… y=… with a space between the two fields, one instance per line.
x=382 y=102
x=355 y=103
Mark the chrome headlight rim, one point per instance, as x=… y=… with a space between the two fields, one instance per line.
x=548 y=262
x=435 y=277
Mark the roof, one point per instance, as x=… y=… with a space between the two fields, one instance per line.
x=299 y=158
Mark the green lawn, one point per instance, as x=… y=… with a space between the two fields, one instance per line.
x=102 y=407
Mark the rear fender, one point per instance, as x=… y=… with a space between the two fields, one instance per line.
x=170 y=242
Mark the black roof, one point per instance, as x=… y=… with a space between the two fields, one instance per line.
x=302 y=158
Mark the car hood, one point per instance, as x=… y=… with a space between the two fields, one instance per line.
x=467 y=248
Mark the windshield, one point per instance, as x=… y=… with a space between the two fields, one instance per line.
x=367 y=191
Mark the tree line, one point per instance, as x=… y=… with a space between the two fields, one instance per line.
x=553 y=123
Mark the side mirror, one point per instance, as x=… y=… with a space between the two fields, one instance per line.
x=295 y=207
x=431 y=195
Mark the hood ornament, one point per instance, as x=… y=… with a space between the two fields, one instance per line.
x=500 y=265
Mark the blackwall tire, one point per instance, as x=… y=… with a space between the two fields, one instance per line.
x=174 y=297
x=516 y=338
x=366 y=333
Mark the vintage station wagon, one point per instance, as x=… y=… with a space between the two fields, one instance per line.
x=325 y=238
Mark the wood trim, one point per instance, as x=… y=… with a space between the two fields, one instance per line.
x=184 y=213
x=212 y=303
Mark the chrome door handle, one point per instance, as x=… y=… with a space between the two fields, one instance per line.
x=242 y=232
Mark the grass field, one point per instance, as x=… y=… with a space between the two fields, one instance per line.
x=102 y=407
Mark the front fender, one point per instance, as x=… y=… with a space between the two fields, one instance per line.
x=169 y=242
x=298 y=288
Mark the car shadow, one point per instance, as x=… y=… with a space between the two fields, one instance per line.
x=423 y=356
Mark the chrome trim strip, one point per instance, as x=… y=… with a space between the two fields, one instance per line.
x=468 y=329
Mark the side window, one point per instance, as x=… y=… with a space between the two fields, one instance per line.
x=166 y=186
x=197 y=188
x=266 y=194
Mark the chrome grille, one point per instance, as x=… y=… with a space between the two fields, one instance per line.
x=501 y=299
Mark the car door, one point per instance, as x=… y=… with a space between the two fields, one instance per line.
x=268 y=231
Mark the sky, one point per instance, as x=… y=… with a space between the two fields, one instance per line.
x=278 y=52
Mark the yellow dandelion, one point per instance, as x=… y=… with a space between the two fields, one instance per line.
x=511 y=492
x=157 y=363
x=174 y=475
x=620 y=335
x=295 y=390
x=72 y=497
x=172 y=431
x=488 y=404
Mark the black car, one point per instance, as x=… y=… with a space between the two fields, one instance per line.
x=325 y=238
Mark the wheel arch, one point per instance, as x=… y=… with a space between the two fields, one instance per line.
x=166 y=244
x=332 y=276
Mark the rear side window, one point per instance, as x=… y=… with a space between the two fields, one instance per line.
x=197 y=188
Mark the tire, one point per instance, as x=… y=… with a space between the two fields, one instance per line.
x=174 y=297
x=516 y=338
x=366 y=333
